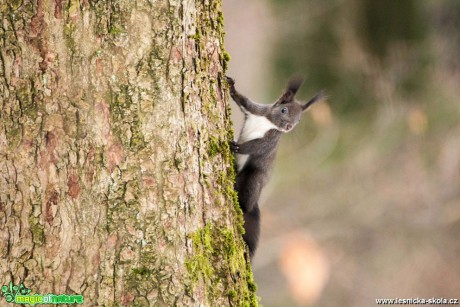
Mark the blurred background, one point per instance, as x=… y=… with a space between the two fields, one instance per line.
x=364 y=201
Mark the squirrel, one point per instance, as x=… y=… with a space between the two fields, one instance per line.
x=256 y=148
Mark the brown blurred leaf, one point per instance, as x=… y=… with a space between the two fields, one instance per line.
x=321 y=114
x=305 y=267
x=417 y=121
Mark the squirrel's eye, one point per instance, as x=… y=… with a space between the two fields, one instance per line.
x=284 y=110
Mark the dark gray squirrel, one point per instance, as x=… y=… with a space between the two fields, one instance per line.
x=256 y=147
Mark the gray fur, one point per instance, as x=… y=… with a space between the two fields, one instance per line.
x=257 y=144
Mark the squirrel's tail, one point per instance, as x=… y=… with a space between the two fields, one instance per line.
x=252 y=229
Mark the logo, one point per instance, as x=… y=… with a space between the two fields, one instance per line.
x=21 y=295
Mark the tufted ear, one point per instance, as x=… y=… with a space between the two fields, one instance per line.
x=318 y=97
x=293 y=86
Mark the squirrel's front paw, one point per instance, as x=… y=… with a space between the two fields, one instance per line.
x=230 y=81
x=234 y=146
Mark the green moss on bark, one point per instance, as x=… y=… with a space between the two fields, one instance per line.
x=217 y=244
x=217 y=254
x=38 y=231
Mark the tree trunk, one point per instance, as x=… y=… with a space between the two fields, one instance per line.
x=116 y=180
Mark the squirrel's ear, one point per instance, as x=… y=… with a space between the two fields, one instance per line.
x=318 y=97
x=293 y=86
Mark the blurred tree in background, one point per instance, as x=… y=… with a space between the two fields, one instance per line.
x=387 y=33
x=404 y=33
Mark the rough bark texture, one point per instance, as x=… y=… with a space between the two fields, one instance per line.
x=116 y=180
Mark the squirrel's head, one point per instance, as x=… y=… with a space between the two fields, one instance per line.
x=286 y=111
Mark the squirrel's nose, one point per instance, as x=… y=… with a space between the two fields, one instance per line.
x=288 y=127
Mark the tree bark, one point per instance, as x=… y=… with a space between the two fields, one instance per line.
x=116 y=180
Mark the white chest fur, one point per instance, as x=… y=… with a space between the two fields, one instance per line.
x=254 y=127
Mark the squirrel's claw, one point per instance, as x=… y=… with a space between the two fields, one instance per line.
x=234 y=146
x=230 y=81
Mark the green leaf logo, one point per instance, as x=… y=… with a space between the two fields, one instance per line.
x=10 y=291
